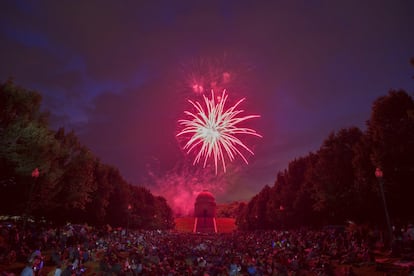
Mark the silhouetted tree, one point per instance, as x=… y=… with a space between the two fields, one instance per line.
x=333 y=176
x=117 y=210
x=391 y=135
x=73 y=185
x=96 y=209
x=25 y=144
x=302 y=212
x=365 y=188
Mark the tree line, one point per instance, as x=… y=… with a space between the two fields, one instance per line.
x=50 y=175
x=333 y=185
x=337 y=183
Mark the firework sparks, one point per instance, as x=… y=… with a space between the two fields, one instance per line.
x=213 y=130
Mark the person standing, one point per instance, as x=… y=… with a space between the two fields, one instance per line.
x=31 y=265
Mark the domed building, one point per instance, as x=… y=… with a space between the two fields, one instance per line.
x=205 y=205
x=205 y=213
x=204 y=219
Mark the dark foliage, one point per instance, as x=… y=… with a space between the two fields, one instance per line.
x=73 y=185
x=337 y=183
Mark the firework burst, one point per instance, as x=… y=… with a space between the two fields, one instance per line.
x=213 y=131
x=203 y=74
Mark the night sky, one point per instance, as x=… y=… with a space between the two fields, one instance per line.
x=119 y=73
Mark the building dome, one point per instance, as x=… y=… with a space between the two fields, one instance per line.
x=205 y=196
x=205 y=205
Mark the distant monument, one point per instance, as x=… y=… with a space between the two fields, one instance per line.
x=205 y=213
x=204 y=219
x=205 y=205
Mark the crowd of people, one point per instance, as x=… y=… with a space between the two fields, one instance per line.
x=121 y=252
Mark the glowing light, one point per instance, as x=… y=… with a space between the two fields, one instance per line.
x=198 y=88
x=213 y=130
x=227 y=71
x=35 y=173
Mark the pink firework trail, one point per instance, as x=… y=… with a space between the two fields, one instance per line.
x=213 y=130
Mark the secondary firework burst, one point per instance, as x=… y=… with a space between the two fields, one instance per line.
x=213 y=131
